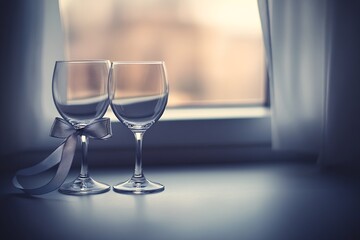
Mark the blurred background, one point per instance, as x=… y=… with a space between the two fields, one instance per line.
x=213 y=49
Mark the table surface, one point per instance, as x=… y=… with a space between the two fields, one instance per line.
x=286 y=200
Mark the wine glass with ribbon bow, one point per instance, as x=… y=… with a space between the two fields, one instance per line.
x=138 y=93
x=80 y=93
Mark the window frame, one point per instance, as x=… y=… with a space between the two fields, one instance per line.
x=232 y=129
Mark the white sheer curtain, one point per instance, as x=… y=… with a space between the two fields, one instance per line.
x=30 y=43
x=312 y=49
x=20 y=50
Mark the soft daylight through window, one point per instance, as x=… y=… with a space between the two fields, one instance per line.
x=213 y=49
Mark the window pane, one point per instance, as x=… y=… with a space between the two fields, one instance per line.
x=212 y=48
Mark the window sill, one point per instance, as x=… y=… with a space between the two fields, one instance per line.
x=190 y=114
x=199 y=127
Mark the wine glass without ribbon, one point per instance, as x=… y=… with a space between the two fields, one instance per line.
x=80 y=93
x=138 y=92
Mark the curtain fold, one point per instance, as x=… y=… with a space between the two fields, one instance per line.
x=30 y=42
x=314 y=76
x=20 y=72
x=341 y=139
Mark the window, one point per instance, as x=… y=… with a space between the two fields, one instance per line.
x=225 y=122
x=213 y=49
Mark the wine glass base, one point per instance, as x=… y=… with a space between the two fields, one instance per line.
x=83 y=186
x=138 y=186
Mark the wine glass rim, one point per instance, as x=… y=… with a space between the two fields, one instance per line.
x=83 y=61
x=138 y=62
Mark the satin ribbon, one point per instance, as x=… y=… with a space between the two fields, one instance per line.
x=64 y=154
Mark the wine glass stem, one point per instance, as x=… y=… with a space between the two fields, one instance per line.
x=138 y=159
x=84 y=164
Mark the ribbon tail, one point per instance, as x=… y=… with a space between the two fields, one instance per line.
x=64 y=155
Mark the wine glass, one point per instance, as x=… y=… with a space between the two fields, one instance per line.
x=80 y=93
x=138 y=93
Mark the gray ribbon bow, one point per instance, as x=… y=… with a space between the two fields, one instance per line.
x=64 y=154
